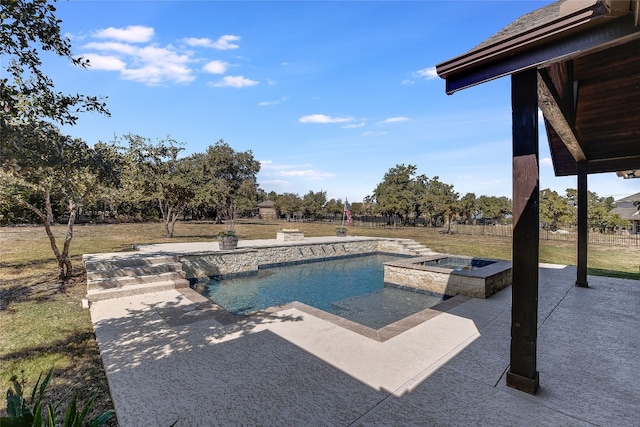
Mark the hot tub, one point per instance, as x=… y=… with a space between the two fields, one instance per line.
x=450 y=274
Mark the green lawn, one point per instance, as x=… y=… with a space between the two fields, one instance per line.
x=43 y=325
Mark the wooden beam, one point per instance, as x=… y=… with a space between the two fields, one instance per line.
x=613 y=164
x=583 y=226
x=523 y=374
x=572 y=46
x=559 y=114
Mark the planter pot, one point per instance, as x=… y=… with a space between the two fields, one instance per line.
x=228 y=242
x=341 y=233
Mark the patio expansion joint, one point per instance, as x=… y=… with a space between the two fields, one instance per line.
x=557 y=304
x=371 y=410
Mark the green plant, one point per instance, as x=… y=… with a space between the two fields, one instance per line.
x=228 y=233
x=33 y=412
x=341 y=229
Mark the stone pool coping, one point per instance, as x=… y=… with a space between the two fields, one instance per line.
x=481 y=273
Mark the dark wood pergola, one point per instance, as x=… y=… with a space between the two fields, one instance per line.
x=578 y=61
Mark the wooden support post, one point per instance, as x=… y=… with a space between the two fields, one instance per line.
x=583 y=226
x=523 y=374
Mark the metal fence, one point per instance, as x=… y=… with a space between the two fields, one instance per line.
x=622 y=239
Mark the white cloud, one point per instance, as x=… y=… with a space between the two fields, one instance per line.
x=198 y=42
x=130 y=34
x=408 y=82
x=276 y=102
x=428 y=73
x=321 y=118
x=373 y=133
x=354 y=125
x=223 y=43
x=395 y=120
x=216 y=67
x=160 y=65
x=149 y=64
x=235 y=81
x=116 y=47
x=308 y=173
x=546 y=161
x=270 y=169
x=274 y=183
x=269 y=164
x=105 y=62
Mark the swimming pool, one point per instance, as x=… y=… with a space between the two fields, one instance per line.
x=352 y=288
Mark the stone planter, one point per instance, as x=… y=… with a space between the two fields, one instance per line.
x=341 y=233
x=228 y=242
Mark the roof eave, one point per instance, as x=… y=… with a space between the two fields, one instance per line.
x=574 y=16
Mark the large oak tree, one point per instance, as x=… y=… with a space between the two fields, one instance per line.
x=61 y=170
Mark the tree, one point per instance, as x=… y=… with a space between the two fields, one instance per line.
x=27 y=95
x=288 y=204
x=396 y=194
x=153 y=172
x=357 y=208
x=599 y=214
x=313 y=203
x=34 y=157
x=369 y=206
x=554 y=209
x=441 y=202
x=469 y=208
x=334 y=207
x=226 y=179
x=495 y=208
x=62 y=169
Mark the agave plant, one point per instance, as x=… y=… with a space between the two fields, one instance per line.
x=30 y=412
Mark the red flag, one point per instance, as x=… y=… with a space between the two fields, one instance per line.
x=347 y=210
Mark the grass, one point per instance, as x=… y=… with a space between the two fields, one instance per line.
x=44 y=326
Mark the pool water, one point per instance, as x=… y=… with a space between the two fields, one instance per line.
x=456 y=263
x=352 y=288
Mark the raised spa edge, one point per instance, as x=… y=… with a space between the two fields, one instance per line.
x=477 y=283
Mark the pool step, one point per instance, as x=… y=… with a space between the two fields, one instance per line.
x=415 y=248
x=117 y=276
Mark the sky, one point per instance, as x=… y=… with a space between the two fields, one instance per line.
x=328 y=95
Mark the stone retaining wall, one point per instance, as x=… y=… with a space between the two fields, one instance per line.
x=248 y=260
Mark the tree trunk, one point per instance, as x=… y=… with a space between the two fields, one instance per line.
x=65 y=262
x=64 y=268
x=46 y=217
x=165 y=210
x=172 y=225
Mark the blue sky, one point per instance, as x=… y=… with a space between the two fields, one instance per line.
x=328 y=95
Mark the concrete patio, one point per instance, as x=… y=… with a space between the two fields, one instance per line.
x=170 y=356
